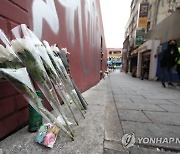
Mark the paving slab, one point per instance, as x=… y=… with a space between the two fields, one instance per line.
x=150 y=150
x=175 y=101
x=164 y=117
x=170 y=108
x=128 y=96
x=113 y=129
x=123 y=100
x=110 y=151
x=131 y=92
x=118 y=92
x=152 y=101
x=145 y=107
x=132 y=115
x=162 y=96
x=113 y=145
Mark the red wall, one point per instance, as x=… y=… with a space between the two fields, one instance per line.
x=74 y=24
x=78 y=26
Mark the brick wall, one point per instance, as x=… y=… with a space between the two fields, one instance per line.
x=13 y=107
x=85 y=47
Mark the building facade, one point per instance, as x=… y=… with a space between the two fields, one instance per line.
x=165 y=9
x=166 y=30
x=114 y=57
x=74 y=24
x=141 y=40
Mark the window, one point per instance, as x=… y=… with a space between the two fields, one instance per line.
x=117 y=52
x=110 y=52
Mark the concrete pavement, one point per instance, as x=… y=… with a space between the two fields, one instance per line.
x=118 y=105
x=89 y=135
x=144 y=108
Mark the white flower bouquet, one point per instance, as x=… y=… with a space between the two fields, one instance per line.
x=11 y=67
x=57 y=82
x=64 y=65
x=59 y=70
x=26 y=51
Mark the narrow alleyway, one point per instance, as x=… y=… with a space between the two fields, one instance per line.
x=144 y=108
x=119 y=104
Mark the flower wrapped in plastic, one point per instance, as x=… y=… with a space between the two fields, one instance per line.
x=64 y=64
x=20 y=79
x=57 y=82
x=8 y=59
x=13 y=70
x=67 y=79
x=61 y=75
x=26 y=51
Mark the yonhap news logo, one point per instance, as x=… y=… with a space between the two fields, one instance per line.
x=129 y=139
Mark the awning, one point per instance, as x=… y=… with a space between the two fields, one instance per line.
x=133 y=56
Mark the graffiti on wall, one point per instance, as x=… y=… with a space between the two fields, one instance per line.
x=46 y=10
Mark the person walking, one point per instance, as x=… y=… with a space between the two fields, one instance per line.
x=178 y=67
x=168 y=61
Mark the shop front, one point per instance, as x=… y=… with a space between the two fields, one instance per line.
x=148 y=52
x=132 y=62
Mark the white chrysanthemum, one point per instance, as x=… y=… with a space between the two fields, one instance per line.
x=34 y=39
x=54 y=48
x=11 y=53
x=7 y=53
x=48 y=48
x=17 y=45
x=3 y=54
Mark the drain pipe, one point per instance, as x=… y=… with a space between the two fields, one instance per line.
x=157 y=10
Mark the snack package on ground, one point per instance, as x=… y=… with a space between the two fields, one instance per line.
x=60 y=73
x=47 y=135
x=26 y=51
x=20 y=79
x=64 y=64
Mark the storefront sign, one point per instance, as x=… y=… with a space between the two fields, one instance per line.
x=134 y=52
x=139 y=40
x=143 y=15
x=143 y=49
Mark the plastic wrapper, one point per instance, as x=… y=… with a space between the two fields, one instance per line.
x=41 y=50
x=26 y=51
x=47 y=135
x=60 y=71
x=63 y=64
x=8 y=59
x=12 y=69
x=62 y=53
x=19 y=78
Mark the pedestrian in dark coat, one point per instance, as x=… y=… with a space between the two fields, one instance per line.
x=168 y=61
x=178 y=66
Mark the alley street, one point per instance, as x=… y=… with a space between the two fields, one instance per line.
x=119 y=104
